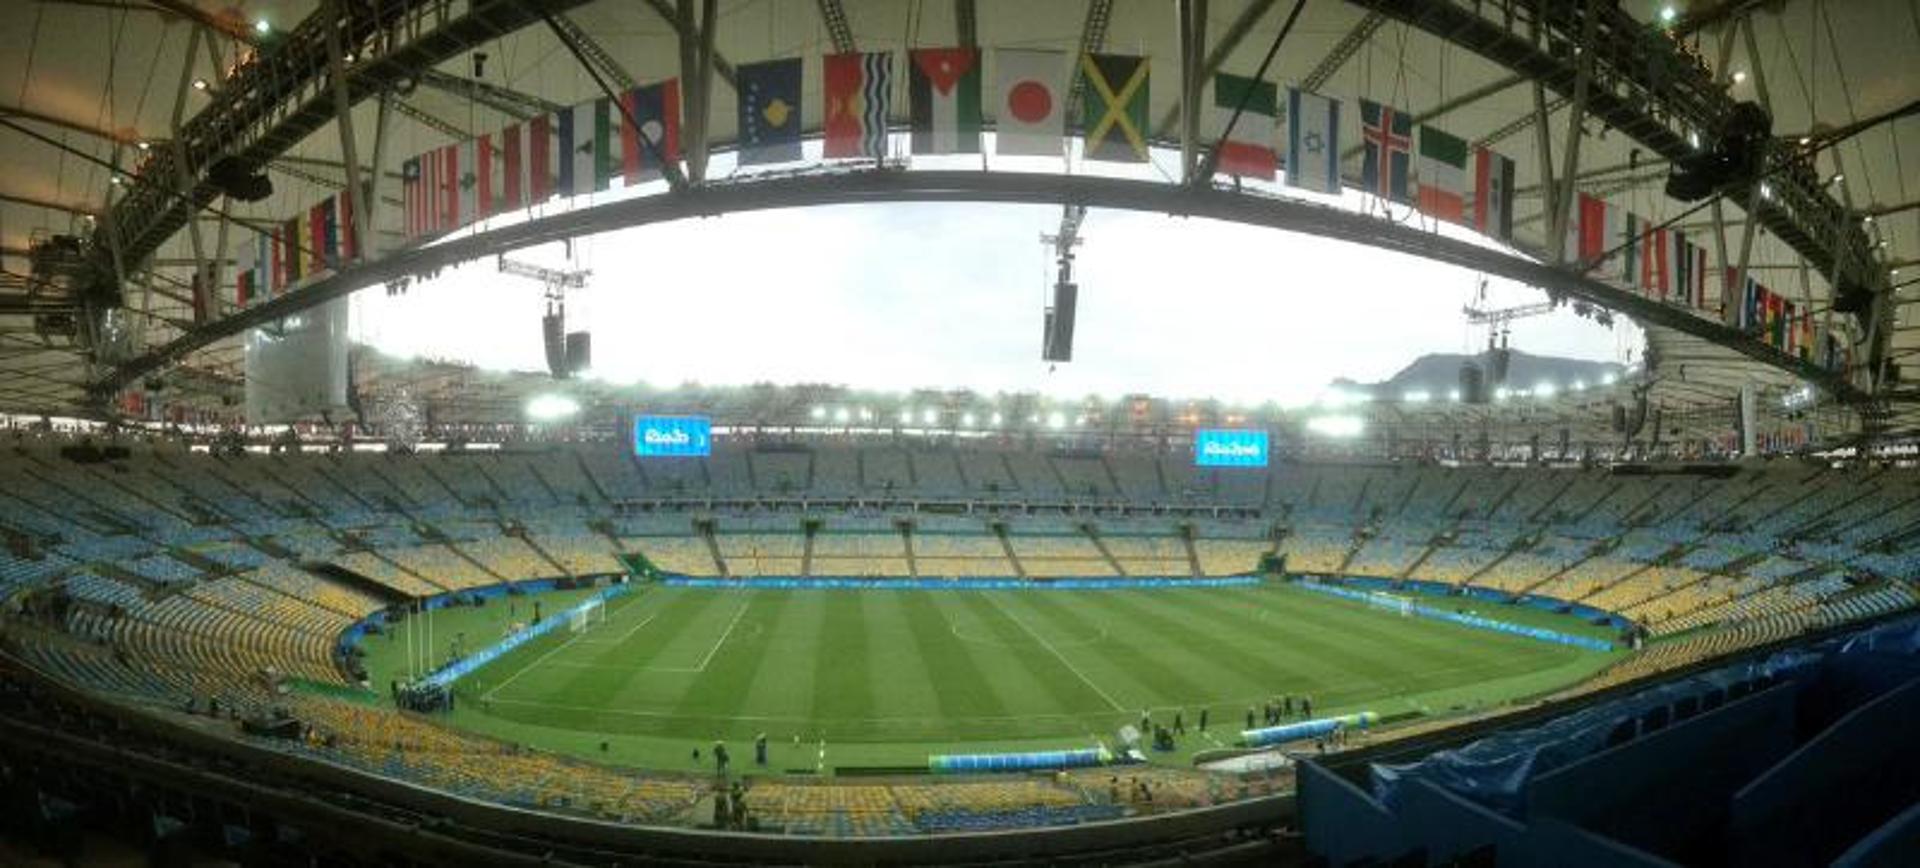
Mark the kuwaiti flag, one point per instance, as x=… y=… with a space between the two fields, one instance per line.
x=943 y=96
x=656 y=141
x=1313 y=141
x=858 y=91
x=1493 y=194
x=1440 y=175
x=1030 y=119
x=1247 y=149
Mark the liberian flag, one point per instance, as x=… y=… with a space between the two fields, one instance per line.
x=943 y=89
x=1441 y=172
x=858 y=92
x=1493 y=194
x=1388 y=136
x=1247 y=149
x=656 y=141
x=1313 y=142
x=1032 y=92
x=447 y=210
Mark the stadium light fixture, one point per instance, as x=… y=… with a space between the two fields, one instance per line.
x=841 y=415
x=906 y=417
x=200 y=84
x=866 y=415
x=818 y=413
x=1336 y=426
x=997 y=418
x=1838 y=177
x=930 y=416
x=1693 y=138
x=1453 y=395
x=968 y=419
x=549 y=408
x=1668 y=14
x=1501 y=394
x=1739 y=76
x=1543 y=390
x=1609 y=380
x=1579 y=385
x=1056 y=421
x=1416 y=397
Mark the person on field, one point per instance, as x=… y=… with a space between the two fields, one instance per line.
x=760 y=749
x=1179 y=725
x=1287 y=704
x=1249 y=717
x=1306 y=706
x=1203 y=719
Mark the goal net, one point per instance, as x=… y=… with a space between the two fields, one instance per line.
x=1391 y=602
x=587 y=616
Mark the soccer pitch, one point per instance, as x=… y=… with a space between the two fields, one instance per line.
x=885 y=677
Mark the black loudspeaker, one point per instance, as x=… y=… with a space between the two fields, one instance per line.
x=238 y=180
x=1619 y=419
x=1473 y=384
x=551 y=334
x=1497 y=362
x=579 y=352
x=1058 y=346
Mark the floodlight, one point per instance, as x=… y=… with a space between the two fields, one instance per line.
x=1416 y=397
x=818 y=412
x=1543 y=390
x=930 y=416
x=841 y=415
x=547 y=408
x=1056 y=421
x=1336 y=426
x=1608 y=380
x=1668 y=14
x=967 y=419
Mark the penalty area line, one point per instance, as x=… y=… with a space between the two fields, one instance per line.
x=1056 y=653
x=489 y=695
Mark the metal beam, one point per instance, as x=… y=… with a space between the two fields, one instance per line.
x=602 y=59
x=505 y=100
x=826 y=188
x=684 y=25
x=1229 y=40
x=74 y=208
x=966 y=23
x=84 y=129
x=1343 y=51
x=834 y=16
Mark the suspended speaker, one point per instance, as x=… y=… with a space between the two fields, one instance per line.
x=1059 y=324
x=553 y=334
x=579 y=352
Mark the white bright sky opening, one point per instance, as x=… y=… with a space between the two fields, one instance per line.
x=897 y=297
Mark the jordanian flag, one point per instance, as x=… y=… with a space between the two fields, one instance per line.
x=1441 y=175
x=943 y=92
x=1247 y=149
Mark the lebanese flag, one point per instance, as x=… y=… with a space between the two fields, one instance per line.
x=944 y=92
x=1030 y=121
x=1247 y=150
x=513 y=183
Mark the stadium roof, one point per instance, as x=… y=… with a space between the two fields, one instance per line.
x=94 y=84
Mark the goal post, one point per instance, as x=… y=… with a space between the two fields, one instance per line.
x=587 y=616
x=1396 y=603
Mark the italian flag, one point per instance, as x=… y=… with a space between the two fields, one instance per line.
x=1247 y=151
x=1440 y=172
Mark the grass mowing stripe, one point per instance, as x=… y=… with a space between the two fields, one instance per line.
x=960 y=686
x=1104 y=696
x=903 y=681
x=1136 y=657
x=841 y=688
x=1046 y=684
x=1235 y=653
x=724 y=688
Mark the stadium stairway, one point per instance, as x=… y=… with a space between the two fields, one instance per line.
x=1100 y=545
x=713 y=548
x=906 y=539
x=1006 y=546
x=1193 y=554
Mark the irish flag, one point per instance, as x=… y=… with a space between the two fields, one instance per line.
x=1440 y=173
x=944 y=95
x=1247 y=149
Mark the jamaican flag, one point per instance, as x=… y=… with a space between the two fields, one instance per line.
x=1115 y=107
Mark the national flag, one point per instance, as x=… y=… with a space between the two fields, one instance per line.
x=1247 y=150
x=1628 y=248
x=540 y=159
x=447 y=212
x=1493 y=194
x=1689 y=271
x=247 y=284
x=943 y=100
x=1388 y=135
x=1440 y=173
x=293 y=259
x=513 y=168
x=1313 y=141
x=486 y=176
x=276 y=262
x=1114 y=108
x=1596 y=229
x=586 y=148
x=770 y=117
x=644 y=149
x=858 y=91
x=412 y=198
x=1656 y=264
x=326 y=235
x=1031 y=119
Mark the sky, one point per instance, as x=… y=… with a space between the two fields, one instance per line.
x=896 y=297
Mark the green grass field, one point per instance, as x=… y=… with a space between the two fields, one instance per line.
x=840 y=677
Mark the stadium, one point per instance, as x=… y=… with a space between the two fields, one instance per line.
x=578 y=432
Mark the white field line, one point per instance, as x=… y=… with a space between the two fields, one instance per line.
x=1056 y=653
x=488 y=696
x=723 y=636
